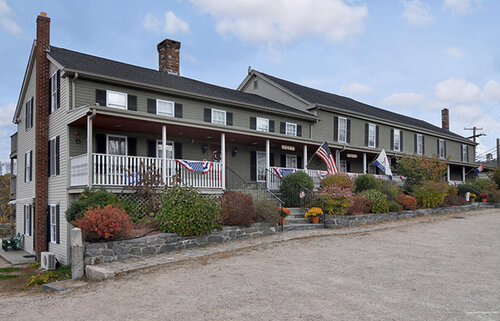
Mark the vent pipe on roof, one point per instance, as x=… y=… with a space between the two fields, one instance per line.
x=169 y=56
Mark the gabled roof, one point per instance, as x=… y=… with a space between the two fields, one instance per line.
x=315 y=96
x=84 y=63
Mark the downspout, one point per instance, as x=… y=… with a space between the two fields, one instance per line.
x=89 y=147
x=73 y=100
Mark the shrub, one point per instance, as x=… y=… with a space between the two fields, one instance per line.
x=495 y=177
x=451 y=190
x=379 y=199
x=290 y=187
x=340 y=180
x=186 y=212
x=266 y=211
x=236 y=209
x=395 y=207
x=494 y=197
x=366 y=182
x=467 y=187
x=92 y=198
x=408 y=202
x=418 y=169
x=360 y=205
x=105 y=223
x=483 y=185
x=431 y=194
x=390 y=189
x=336 y=200
x=454 y=200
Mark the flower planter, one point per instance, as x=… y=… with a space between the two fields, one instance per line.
x=315 y=219
x=484 y=200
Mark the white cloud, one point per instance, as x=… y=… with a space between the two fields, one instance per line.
x=7 y=18
x=455 y=52
x=417 y=13
x=281 y=21
x=172 y=24
x=8 y=113
x=462 y=7
x=7 y=128
x=403 y=100
x=355 y=88
x=491 y=91
x=457 y=90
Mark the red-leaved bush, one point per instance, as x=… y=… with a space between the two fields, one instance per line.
x=408 y=202
x=236 y=209
x=360 y=205
x=454 y=200
x=104 y=223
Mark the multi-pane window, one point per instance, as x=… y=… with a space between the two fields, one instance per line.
x=372 y=135
x=28 y=164
x=262 y=124
x=442 y=150
x=27 y=219
x=165 y=108
x=117 y=99
x=420 y=144
x=218 y=116
x=397 y=140
x=342 y=134
x=465 y=153
x=261 y=166
x=159 y=149
x=53 y=155
x=117 y=145
x=52 y=223
x=291 y=129
x=291 y=161
x=53 y=93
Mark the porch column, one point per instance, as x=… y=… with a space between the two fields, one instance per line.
x=364 y=163
x=463 y=174
x=337 y=159
x=305 y=157
x=89 y=151
x=448 y=178
x=268 y=161
x=223 y=158
x=164 y=154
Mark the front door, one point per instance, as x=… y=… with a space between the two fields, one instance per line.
x=261 y=166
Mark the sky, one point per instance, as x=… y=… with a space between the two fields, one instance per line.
x=413 y=57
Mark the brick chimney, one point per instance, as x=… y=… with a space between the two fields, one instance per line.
x=445 y=119
x=168 y=56
x=42 y=105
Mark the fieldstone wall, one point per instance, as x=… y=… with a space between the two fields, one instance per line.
x=103 y=252
x=355 y=220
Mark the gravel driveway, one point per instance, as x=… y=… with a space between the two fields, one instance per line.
x=445 y=270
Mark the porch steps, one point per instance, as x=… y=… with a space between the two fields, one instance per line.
x=296 y=221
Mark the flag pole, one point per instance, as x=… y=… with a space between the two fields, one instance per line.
x=310 y=159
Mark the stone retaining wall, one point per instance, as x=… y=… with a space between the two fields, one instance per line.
x=103 y=252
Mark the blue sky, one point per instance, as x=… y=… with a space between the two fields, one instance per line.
x=412 y=56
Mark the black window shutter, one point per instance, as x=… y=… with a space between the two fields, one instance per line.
x=178 y=110
x=177 y=150
x=438 y=147
x=335 y=129
x=366 y=134
x=58 y=155
x=100 y=143
x=348 y=131
x=151 y=106
x=271 y=126
x=32 y=111
x=392 y=139
x=253 y=123
x=27 y=118
x=229 y=119
x=415 y=143
x=58 y=89
x=444 y=148
x=401 y=140
x=299 y=162
x=100 y=97
x=271 y=159
x=57 y=225
x=299 y=130
x=282 y=127
x=48 y=235
x=253 y=166
x=377 y=135
x=423 y=145
x=24 y=219
x=49 y=163
x=131 y=102
x=348 y=166
x=151 y=146
x=132 y=146
x=462 y=153
x=283 y=160
x=207 y=115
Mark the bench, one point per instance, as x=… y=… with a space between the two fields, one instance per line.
x=13 y=242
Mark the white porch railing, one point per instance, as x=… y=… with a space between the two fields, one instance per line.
x=79 y=172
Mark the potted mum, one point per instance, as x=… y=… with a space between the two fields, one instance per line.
x=472 y=197
x=483 y=197
x=314 y=213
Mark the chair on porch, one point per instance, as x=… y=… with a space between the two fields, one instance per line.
x=13 y=242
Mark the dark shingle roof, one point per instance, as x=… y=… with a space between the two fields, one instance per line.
x=327 y=99
x=106 y=67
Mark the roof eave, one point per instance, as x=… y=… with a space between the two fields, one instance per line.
x=27 y=75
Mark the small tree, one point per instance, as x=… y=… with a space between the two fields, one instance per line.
x=418 y=169
x=495 y=176
x=4 y=195
x=290 y=187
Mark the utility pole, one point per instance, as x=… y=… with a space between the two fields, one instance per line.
x=474 y=136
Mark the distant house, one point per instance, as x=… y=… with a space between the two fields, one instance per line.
x=86 y=121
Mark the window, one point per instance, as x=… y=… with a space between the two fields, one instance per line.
x=291 y=129
x=28 y=164
x=117 y=145
x=343 y=166
x=342 y=134
x=165 y=108
x=261 y=166
x=29 y=113
x=420 y=144
x=465 y=153
x=218 y=116
x=291 y=161
x=262 y=124
x=53 y=156
x=372 y=135
x=27 y=219
x=170 y=149
x=53 y=93
x=441 y=148
x=52 y=223
x=13 y=166
x=397 y=140
x=117 y=99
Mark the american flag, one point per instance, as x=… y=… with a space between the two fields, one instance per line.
x=196 y=167
x=326 y=155
x=282 y=172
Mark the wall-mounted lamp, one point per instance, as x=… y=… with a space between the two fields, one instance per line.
x=234 y=152
x=204 y=148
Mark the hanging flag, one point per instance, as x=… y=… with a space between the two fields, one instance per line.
x=478 y=170
x=195 y=167
x=321 y=174
x=282 y=172
x=382 y=162
x=327 y=156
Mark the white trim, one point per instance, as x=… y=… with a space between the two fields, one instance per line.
x=53 y=211
x=465 y=152
x=119 y=93
x=159 y=142
x=53 y=168
x=119 y=136
x=165 y=101
x=370 y=126
x=421 y=144
x=53 y=101
x=399 y=140
x=286 y=129
x=27 y=219
x=338 y=130
x=257 y=165
x=28 y=158
x=257 y=124
x=220 y=111
x=441 y=144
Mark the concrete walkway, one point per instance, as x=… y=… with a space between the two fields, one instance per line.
x=16 y=257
